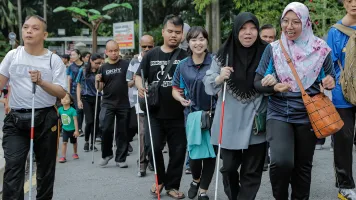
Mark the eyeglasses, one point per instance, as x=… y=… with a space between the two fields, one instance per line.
x=294 y=23
x=97 y=63
x=144 y=47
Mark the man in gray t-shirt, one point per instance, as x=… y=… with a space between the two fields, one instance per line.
x=22 y=67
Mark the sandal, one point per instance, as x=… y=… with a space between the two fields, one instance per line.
x=175 y=194
x=154 y=193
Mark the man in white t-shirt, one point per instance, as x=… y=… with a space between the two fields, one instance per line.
x=146 y=44
x=22 y=67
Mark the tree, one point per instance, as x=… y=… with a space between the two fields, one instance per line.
x=92 y=17
x=8 y=18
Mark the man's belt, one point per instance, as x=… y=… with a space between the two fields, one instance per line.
x=24 y=110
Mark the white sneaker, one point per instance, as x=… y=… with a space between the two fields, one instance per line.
x=105 y=160
x=347 y=194
x=318 y=147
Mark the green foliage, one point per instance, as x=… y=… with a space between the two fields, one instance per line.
x=117 y=5
x=200 y=5
x=8 y=16
x=96 y=12
x=332 y=11
x=4 y=47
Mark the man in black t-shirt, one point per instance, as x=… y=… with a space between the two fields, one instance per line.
x=168 y=120
x=112 y=79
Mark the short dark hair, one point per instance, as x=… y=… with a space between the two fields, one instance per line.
x=176 y=20
x=70 y=97
x=39 y=18
x=267 y=26
x=85 y=53
x=65 y=56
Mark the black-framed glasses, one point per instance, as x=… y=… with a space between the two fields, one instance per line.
x=97 y=63
x=144 y=47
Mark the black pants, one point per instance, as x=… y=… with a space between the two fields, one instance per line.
x=243 y=186
x=292 y=149
x=203 y=169
x=174 y=131
x=80 y=113
x=107 y=117
x=343 y=141
x=16 y=144
x=131 y=124
x=89 y=111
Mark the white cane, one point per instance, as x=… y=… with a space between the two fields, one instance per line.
x=138 y=140
x=220 y=135
x=94 y=132
x=152 y=147
x=32 y=136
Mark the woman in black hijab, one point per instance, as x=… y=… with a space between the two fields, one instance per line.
x=243 y=143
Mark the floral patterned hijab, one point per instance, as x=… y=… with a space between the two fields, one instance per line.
x=308 y=52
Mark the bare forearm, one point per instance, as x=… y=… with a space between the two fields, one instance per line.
x=53 y=89
x=99 y=85
x=79 y=90
x=131 y=84
x=138 y=81
x=76 y=123
x=176 y=94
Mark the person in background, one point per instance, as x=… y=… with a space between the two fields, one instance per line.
x=146 y=44
x=188 y=80
x=86 y=95
x=111 y=79
x=66 y=60
x=243 y=148
x=167 y=121
x=289 y=132
x=183 y=43
x=72 y=73
x=268 y=33
x=86 y=57
x=70 y=127
x=344 y=139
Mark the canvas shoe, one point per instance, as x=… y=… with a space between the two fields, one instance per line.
x=347 y=194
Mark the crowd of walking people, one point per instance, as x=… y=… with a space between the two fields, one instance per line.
x=244 y=103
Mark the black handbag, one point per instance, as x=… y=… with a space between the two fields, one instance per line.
x=206 y=117
x=153 y=88
x=22 y=120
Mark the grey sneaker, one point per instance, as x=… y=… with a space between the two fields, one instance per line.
x=105 y=160
x=121 y=164
x=318 y=147
x=347 y=194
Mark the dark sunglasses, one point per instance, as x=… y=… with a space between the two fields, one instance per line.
x=144 y=47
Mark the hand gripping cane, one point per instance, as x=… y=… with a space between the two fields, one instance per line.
x=32 y=136
x=220 y=135
x=95 y=112
x=152 y=148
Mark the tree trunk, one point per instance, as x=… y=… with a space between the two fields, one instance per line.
x=19 y=13
x=95 y=39
x=45 y=10
x=215 y=25
x=208 y=24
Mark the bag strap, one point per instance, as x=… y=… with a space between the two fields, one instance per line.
x=169 y=66
x=295 y=74
x=346 y=30
x=341 y=69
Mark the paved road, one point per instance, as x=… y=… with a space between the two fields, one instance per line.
x=82 y=180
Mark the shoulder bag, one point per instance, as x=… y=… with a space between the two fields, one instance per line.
x=323 y=115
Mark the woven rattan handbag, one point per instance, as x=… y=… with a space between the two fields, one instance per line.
x=323 y=116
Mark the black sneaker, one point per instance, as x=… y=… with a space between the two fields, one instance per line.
x=130 y=149
x=81 y=134
x=203 y=196
x=193 y=190
x=86 y=147
x=150 y=167
x=91 y=148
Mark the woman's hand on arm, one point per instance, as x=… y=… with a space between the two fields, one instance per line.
x=328 y=82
